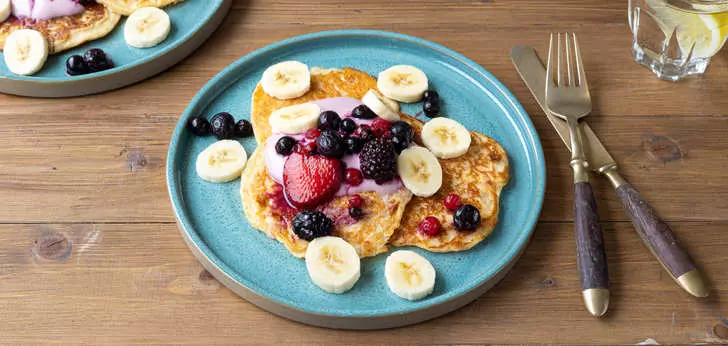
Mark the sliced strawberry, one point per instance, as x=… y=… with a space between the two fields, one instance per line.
x=309 y=181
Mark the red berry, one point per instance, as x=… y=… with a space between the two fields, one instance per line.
x=309 y=181
x=430 y=226
x=353 y=176
x=380 y=127
x=313 y=133
x=309 y=148
x=452 y=202
x=355 y=201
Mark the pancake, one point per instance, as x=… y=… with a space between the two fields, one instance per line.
x=477 y=177
x=325 y=83
x=127 y=7
x=66 y=32
x=267 y=211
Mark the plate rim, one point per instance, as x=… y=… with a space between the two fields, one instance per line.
x=213 y=89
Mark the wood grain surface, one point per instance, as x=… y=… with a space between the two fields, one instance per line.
x=89 y=253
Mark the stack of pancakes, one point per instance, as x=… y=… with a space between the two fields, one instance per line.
x=477 y=177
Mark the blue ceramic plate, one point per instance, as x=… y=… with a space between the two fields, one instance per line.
x=192 y=22
x=260 y=269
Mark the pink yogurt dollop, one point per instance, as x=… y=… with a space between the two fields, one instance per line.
x=45 y=9
x=343 y=106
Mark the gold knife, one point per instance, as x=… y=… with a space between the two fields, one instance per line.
x=654 y=232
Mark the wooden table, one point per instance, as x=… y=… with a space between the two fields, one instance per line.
x=89 y=252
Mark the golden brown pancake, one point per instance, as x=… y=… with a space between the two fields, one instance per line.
x=127 y=7
x=477 y=177
x=66 y=32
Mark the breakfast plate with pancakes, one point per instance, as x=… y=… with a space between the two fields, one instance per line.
x=450 y=220
x=64 y=48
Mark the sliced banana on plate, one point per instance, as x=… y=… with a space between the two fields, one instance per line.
x=383 y=107
x=332 y=264
x=25 y=51
x=286 y=80
x=446 y=138
x=221 y=162
x=147 y=27
x=404 y=83
x=295 y=119
x=420 y=171
x=5 y=9
x=409 y=275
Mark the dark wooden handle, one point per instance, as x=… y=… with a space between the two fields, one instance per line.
x=655 y=233
x=592 y=259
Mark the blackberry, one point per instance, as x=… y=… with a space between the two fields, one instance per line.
x=379 y=160
x=466 y=216
x=311 y=224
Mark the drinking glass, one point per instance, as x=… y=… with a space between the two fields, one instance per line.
x=677 y=38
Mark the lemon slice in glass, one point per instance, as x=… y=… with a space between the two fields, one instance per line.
x=708 y=32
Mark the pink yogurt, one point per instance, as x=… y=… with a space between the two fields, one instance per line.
x=343 y=106
x=45 y=9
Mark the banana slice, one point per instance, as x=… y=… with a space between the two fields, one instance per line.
x=25 y=51
x=147 y=27
x=295 y=119
x=286 y=80
x=420 y=171
x=385 y=108
x=446 y=138
x=221 y=162
x=332 y=264
x=403 y=83
x=5 y=9
x=409 y=275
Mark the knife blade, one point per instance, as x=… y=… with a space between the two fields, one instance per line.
x=654 y=232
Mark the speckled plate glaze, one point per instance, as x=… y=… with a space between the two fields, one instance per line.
x=193 y=21
x=260 y=269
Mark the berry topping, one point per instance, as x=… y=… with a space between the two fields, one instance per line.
x=330 y=144
x=452 y=202
x=432 y=109
x=380 y=127
x=243 y=128
x=355 y=201
x=353 y=176
x=432 y=96
x=401 y=128
x=363 y=112
x=356 y=213
x=223 y=125
x=199 y=126
x=313 y=133
x=311 y=224
x=75 y=65
x=309 y=148
x=329 y=120
x=365 y=133
x=400 y=143
x=347 y=125
x=353 y=145
x=467 y=217
x=379 y=160
x=285 y=145
x=97 y=60
x=430 y=226
x=309 y=181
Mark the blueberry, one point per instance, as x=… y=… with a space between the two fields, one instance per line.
x=400 y=143
x=329 y=120
x=75 y=65
x=311 y=224
x=243 y=128
x=347 y=125
x=97 y=60
x=223 y=125
x=330 y=144
x=363 y=112
x=285 y=145
x=199 y=126
x=353 y=145
x=432 y=109
x=403 y=129
x=432 y=96
x=356 y=212
x=467 y=216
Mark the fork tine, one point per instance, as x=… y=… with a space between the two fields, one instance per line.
x=559 y=75
x=580 y=65
x=569 y=62
x=550 y=63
